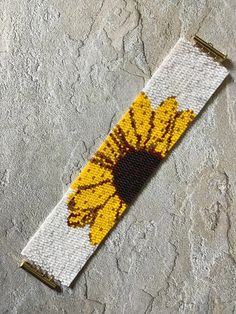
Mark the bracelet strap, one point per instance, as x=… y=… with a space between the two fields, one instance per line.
x=122 y=165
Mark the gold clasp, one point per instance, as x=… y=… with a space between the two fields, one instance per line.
x=40 y=275
x=208 y=48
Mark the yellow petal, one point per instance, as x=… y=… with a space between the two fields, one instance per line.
x=91 y=198
x=106 y=219
x=169 y=125
x=126 y=125
x=141 y=115
x=164 y=116
x=110 y=150
x=181 y=123
x=79 y=218
x=162 y=122
x=91 y=174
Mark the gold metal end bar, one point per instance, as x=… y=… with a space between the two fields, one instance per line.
x=208 y=48
x=39 y=275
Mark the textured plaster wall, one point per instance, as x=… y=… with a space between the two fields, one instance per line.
x=68 y=71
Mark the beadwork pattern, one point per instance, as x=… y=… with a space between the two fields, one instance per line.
x=123 y=164
x=64 y=242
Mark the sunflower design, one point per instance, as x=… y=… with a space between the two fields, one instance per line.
x=123 y=163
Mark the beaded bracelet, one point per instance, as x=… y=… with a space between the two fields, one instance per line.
x=122 y=165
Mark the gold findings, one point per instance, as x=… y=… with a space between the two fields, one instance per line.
x=208 y=48
x=39 y=275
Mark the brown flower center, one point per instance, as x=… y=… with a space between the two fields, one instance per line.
x=131 y=173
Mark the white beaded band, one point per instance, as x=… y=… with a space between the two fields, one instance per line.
x=96 y=200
